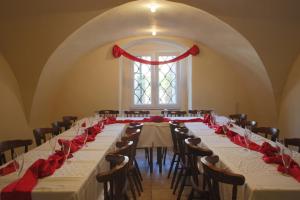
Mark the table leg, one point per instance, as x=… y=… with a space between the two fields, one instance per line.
x=159 y=158
x=151 y=159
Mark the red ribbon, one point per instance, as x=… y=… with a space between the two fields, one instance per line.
x=118 y=52
x=21 y=189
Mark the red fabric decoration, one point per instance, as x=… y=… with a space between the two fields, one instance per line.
x=113 y=120
x=118 y=52
x=11 y=167
x=21 y=189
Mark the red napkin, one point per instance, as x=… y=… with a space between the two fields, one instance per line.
x=268 y=149
x=207 y=118
x=220 y=130
x=21 y=189
x=156 y=119
x=11 y=167
x=83 y=124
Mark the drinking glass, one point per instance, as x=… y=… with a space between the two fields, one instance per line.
x=286 y=156
x=18 y=161
x=66 y=148
x=52 y=142
x=85 y=139
x=247 y=137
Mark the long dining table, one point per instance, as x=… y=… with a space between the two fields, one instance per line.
x=263 y=181
x=76 y=179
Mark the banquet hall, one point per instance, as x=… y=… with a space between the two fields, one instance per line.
x=149 y=99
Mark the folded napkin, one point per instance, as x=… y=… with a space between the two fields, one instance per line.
x=207 y=118
x=10 y=168
x=21 y=188
x=157 y=119
x=268 y=149
x=220 y=130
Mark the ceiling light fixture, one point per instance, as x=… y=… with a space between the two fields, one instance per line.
x=154 y=33
x=153 y=7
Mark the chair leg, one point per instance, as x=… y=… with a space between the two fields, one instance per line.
x=178 y=180
x=165 y=154
x=138 y=169
x=135 y=181
x=171 y=165
x=136 y=175
x=182 y=184
x=150 y=159
x=131 y=187
x=191 y=195
x=159 y=158
x=175 y=172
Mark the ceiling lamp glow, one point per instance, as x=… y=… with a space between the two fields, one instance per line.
x=153 y=7
x=154 y=33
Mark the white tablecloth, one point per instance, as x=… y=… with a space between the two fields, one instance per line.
x=155 y=134
x=76 y=179
x=263 y=181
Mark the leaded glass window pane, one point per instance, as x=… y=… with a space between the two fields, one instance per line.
x=167 y=84
x=142 y=82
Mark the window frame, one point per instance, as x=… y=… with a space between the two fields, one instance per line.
x=155 y=85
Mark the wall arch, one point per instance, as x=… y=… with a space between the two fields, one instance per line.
x=134 y=18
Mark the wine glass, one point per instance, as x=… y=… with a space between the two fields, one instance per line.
x=85 y=135
x=52 y=142
x=286 y=156
x=247 y=137
x=66 y=148
x=18 y=161
x=212 y=118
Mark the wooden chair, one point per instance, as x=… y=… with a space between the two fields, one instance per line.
x=215 y=175
x=11 y=145
x=195 y=152
x=133 y=173
x=69 y=120
x=59 y=127
x=292 y=142
x=137 y=113
x=267 y=131
x=195 y=113
x=251 y=124
x=108 y=113
x=175 y=158
x=115 y=180
x=174 y=113
x=239 y=118
x=40 y=135
x=181 y=135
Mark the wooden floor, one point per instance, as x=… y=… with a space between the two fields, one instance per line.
x=156 y=186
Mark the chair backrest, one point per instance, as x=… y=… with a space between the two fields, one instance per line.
x=115 y=180
x=239 y=118
x=69 y=120
x=195 y=113
x=108 y=113
x=135 y=125
x=251 y=124
x=174 y=125
x=59 y=127
x=175 y=113
x=267 y=131
x=292 y=142
x=40 y=135
x=137 y=113
x=134 y=137
x=181 y=135
x=215 y=175
x=195 y=152
x=12 y=145
x=125 y=148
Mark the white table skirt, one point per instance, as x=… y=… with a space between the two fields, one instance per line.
x=76 y=179
x=263 y=181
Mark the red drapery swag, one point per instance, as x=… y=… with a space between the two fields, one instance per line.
x=118 y=52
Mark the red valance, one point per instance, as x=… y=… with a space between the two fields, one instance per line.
x=118 y=52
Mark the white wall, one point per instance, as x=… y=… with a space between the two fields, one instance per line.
x=13 y=124
x=290 y=104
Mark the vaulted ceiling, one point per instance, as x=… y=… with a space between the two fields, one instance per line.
x=31 y=31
